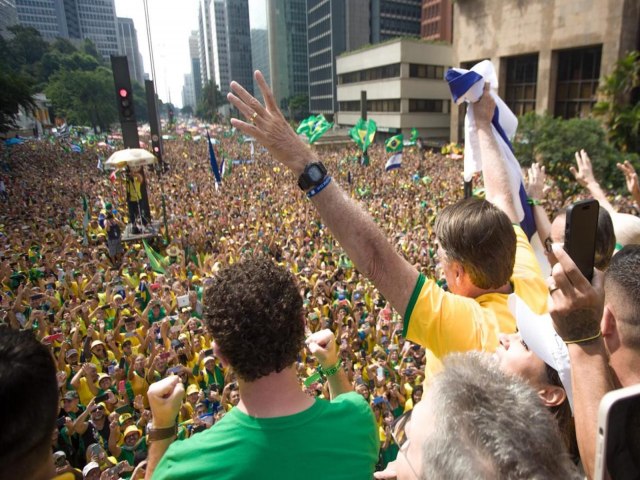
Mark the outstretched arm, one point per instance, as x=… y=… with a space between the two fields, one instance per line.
x=494 y=169
x=356 y=231
x=631 y=178
x=535 y=191
x=585 y=177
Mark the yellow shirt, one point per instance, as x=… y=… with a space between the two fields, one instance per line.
x=84 y=393
x=444 y=322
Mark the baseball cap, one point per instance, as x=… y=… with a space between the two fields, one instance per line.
x=102 y=376
x=131 y=429
x=89 y=467
x=192 y=389
x=207 y=359
x=71 y=395
x=124 y=417
x=95 y=343
x=70 y=352
x=538 y=333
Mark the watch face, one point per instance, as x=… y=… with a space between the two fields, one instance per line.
x=315 y=174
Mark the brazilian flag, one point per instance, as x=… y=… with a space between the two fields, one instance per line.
x=307 y=124
x=319 y=128
x=363 y=133
x=394 y=144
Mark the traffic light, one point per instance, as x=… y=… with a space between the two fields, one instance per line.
x=125 y=104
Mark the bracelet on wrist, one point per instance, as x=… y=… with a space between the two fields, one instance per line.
x=322 y=373
x=317 y=189
x=534 y=202
x=584 y=340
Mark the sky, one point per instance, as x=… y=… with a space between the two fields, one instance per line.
x=172 y=22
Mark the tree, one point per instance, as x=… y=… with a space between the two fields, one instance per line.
x=298 y=106
x=89 y=48
x=621 y=114
x=187 y=110
x=24 y=50
x=84 y=97
x=15 y=92
x=210 y=100
x=140 y=102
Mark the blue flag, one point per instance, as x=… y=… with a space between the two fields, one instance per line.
x=212 y=159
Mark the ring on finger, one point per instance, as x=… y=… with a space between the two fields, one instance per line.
x=553 y=289
x=253 y=117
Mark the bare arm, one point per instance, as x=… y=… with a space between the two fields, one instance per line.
x=576 y=311
x=585 y=177
x=356 y=231
x=494 y=169
x=631 y=178
x=323 y=346
x=536 y=191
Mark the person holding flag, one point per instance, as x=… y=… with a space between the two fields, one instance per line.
x=394 y=145
x=484 y=256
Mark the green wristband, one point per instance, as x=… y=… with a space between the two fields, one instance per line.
x=534 y=202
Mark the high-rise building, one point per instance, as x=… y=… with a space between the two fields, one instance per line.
x=194 y=55
x=395 y=18
x=73 y=19
x=238 y=45
x=260 y=57
x=437 y=20
x=129 y=42
x=8 y=15
x=225 y=43
x=288 y=62
x=332 y=27
x=46 y=16
x=205 y=39
x=188 y=92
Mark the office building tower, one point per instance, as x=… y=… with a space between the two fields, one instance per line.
x=437 y=20
x=287 y=32
x=333 y=26
x=238 y=46
x=395 y=18
x=8 y=16
x=260 y=56
x=46 y=16
x=129 y=42
x=194 y=55
x=188 y=92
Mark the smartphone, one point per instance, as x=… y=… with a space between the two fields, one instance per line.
x=56 y=337
x=111 y=369
x=130 y=334
x=102 y=398
x=60 y=422
x=618 y=434
x=208 y=352
x=580 y=234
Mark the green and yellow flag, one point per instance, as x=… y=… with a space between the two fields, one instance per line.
x=156 y=261
x=363 y=133
x=395 y=143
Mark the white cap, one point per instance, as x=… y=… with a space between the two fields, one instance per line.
x=88 y=467
x=538 y=333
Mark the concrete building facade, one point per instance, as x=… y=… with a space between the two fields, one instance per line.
x=403 y=81
x=237 y=46
x=549 y=56
x=46 y=16
x=288 y=64
x=189 y=92
x=196 y=73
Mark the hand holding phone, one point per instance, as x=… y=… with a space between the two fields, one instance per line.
x=580 y=234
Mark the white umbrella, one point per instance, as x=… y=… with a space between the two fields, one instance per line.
x=131 y=157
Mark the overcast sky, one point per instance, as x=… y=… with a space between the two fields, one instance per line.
x=171 y=24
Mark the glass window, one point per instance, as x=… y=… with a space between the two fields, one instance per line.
x=522 y=76
x=578 y=77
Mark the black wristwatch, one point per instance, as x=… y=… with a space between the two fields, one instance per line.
x=313 y=175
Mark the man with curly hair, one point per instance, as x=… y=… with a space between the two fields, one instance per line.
x=255 y=314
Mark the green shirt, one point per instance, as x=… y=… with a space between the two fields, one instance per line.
x=336 y=440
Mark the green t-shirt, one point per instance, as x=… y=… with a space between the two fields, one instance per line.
x=336 y=440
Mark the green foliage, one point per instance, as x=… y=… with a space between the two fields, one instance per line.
x=187 y=110
x=209 y=102
x=298 y=107
x=554 y=141
x=140 y=102
x=15 y=92
x=84 y=98
x=621 y=114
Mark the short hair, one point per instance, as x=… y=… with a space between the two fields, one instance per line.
x=254 y=312
x=29 y=399
x=488 y=424
x=479 y=236
x=622 y=290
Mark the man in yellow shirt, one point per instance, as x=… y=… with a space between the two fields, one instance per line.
x=479 y=246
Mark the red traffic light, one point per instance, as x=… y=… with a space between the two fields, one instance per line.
x=123 y=92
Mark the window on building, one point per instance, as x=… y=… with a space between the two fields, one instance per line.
x=522 y=75
x=577 y=84
x=377 y=73
x=391 y=105
x=428 y=105
x=418 y=70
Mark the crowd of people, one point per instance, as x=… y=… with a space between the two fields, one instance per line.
x=116 y=321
